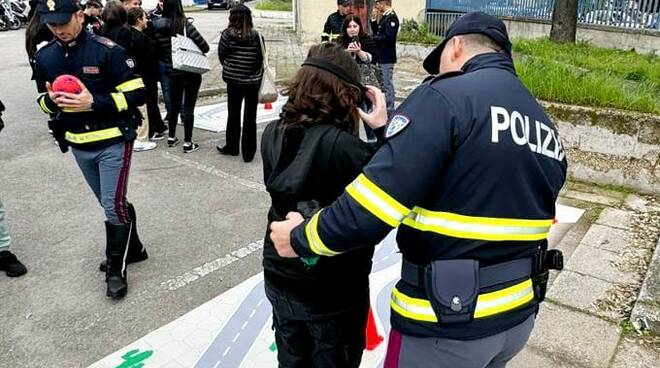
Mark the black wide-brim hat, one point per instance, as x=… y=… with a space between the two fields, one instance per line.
x=475 y=22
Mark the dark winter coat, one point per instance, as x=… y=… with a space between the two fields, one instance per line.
x=241 y=58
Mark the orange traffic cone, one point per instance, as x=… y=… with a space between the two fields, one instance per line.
x=373 y=338
x=268 y=106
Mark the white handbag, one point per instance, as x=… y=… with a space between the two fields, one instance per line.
x=187 y=56
x=267 y=90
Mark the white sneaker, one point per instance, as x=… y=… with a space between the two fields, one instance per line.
x=140 y=146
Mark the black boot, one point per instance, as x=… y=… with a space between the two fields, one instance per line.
x=136 y=250
x=117 y=245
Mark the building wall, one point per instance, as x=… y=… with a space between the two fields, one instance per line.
x=311 y=14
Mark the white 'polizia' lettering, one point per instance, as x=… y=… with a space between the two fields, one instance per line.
x=539 y=137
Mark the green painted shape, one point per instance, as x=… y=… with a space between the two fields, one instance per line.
x=135 y=358
x=273 y=347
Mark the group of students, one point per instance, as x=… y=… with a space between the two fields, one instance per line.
x=146 y=36
x=377 y=48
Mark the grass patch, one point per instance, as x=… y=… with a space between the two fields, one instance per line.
x=413 y=32
x=583 y=74
x=280 y=5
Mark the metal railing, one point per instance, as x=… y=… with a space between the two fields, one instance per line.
x=616 y=13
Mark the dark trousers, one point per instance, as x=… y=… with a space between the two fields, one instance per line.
x=183 y=97
x=236 y=94
x=165 y=86
x=156 y=123
x=327 y=341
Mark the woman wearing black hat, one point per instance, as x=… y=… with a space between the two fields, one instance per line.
x=320 y=306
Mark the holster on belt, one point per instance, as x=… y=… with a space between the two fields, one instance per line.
x=544 y=261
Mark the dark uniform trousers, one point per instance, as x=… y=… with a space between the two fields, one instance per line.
x=307 y=340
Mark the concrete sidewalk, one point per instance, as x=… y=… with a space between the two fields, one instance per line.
x=584 y=321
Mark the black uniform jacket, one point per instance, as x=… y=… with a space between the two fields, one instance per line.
x=313 y=164
x=332 y=27
x=385 y=34
x=110 y=76
x=471 y=170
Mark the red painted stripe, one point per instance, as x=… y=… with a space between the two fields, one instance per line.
x=121 y=205
x=393 y=350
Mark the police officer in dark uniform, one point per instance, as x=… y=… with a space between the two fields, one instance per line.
x=385 y=24
x=332 y=27
x=469 y=175
x=98 y=123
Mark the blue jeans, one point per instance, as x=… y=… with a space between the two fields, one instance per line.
x=106 y=172
x=4 y=232
x=387 y=72
x=165 y=85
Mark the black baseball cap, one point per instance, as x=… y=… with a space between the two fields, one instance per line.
x=344 y=2
x=475 y=22
x=57 y=11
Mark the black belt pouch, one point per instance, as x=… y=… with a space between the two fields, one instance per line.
x=453 y=286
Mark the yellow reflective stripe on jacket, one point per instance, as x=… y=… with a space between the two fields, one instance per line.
x=42 y=104
x=479 y=228
x=376 y=201
x=504 y=300
x=314 y=240
x=413 y=308
x=130 y=85
x=120 y=101
x=91 y=137
x=488 y=304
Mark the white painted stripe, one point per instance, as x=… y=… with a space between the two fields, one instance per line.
x=210 y=267
x=216 y=172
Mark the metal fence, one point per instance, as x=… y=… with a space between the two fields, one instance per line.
x=616 y=13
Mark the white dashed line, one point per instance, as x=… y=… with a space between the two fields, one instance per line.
x=226 y=351
x=253 y=312
x=210 y=267
x=235 y=337
x=261 y=301
x=244 y=325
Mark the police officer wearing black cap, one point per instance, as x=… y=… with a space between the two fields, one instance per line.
x=98 y=123
x=469 y=176
x=332 y=27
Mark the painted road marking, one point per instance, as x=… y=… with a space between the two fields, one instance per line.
x=215 y=172
x=210 y=267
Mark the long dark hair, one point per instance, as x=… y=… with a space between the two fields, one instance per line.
x=240 y=22
x=113 y=15
x=319 y=97
x=134 y=14
x=345 y=39
x=36 y=33
x=173 y=10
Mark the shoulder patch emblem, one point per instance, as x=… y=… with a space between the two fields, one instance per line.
x=396 y=125
x=130 y=63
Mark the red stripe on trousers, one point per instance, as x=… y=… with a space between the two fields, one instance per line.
x=121 y=205
x=393 y=350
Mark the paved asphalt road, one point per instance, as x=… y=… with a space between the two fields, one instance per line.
x=57 y=315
